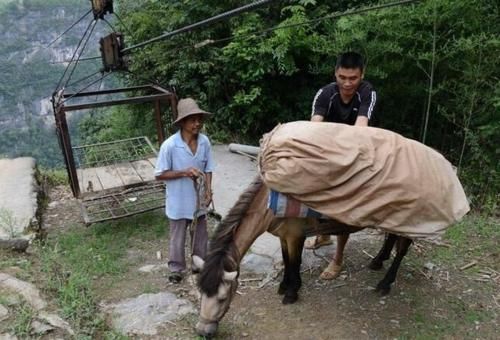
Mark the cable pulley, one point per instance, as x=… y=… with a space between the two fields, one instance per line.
x=101 y=7
x=112 y=57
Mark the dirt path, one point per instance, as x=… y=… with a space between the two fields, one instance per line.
x=433 y=297
x=440 y=302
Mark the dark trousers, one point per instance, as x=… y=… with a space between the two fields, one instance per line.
x=199 y=238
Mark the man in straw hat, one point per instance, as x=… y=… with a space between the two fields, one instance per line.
x=184 y=159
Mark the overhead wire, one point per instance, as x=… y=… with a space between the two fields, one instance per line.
x=181 y=30
x=80 y=59
x=259 y=33
x=86 y=87
x=74 y=54
x=228 y=14
x=127 y=30
x=85 y=78
x=109 y=24
x=213 y=19
x=326 y=17
x=83 y=48
x=68 y=29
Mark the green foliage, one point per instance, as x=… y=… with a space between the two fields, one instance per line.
x=121 y=122
x=475 y=237
x=74 y=261
x=259 y=77
x=53 y=177
x=23 y=316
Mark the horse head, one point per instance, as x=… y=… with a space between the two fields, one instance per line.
x=217 y=291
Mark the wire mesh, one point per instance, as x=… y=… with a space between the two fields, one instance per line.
x=124 y=203
x=102 y=154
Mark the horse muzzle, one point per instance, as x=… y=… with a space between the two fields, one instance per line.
x=206 y=329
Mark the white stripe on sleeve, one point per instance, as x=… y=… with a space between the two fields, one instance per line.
x=314 y=101
x=372 y=104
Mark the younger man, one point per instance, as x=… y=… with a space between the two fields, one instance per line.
x=349 y=100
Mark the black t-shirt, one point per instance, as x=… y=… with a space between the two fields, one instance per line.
x=328 y=104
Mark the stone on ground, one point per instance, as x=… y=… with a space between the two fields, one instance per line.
x=145 y=314
x=28 y=291
x=4 y=313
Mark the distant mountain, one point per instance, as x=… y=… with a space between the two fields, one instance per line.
x=31 y=70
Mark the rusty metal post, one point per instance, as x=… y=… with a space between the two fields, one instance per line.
x=159 y=123
x=65 y=141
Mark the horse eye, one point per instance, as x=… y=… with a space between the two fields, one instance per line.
x=221 y=298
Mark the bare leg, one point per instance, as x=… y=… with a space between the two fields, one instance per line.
x=339 y=252
x=334 y=268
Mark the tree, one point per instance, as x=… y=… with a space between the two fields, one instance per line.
x=435 y=69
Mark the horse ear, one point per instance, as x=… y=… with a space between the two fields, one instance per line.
x=230 y=276
x=198 y=262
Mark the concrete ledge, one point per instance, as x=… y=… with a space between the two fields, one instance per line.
x=18 y=197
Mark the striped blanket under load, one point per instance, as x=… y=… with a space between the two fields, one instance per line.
x=285 y=206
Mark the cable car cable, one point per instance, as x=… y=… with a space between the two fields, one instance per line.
x=85 y=78
x=109 y=24
x=80 y=59
x=198 y=24
x=82 y=49
x=127 y=30
x=262 y=32
x=86 y=87
x=73 y=57
x=308 y=22
x=73 y=25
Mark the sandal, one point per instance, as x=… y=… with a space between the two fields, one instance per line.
x=319 y=241
x=331 y=272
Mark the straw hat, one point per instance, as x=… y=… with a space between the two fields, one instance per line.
x=188 y=107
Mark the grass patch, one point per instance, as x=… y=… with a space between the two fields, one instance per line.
x=458 y=320
x=77 y=260
x=21 y=320
x=474 y=237
x=53 y=177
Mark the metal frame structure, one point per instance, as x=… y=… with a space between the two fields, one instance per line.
x=155 y=94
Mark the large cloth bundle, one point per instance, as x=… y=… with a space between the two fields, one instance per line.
x=364 y=177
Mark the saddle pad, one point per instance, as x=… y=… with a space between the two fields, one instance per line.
x=286 y=206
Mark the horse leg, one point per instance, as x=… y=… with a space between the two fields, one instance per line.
x=402 y=246
x=295 y=244
x=286 y=264
x=384 y=253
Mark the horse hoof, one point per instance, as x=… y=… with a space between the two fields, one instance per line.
x=375 y=265
x=281 y=290
x=382 y=289
x=289 y=299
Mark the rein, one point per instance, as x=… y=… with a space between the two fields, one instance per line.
x=201 y=209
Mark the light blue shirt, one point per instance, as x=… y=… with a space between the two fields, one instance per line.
x=176 y=155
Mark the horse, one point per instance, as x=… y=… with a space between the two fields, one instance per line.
x=246 y=220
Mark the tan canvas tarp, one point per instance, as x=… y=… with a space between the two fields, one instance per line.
x=363 y=176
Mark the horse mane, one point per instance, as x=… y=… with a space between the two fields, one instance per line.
x=223 y=255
